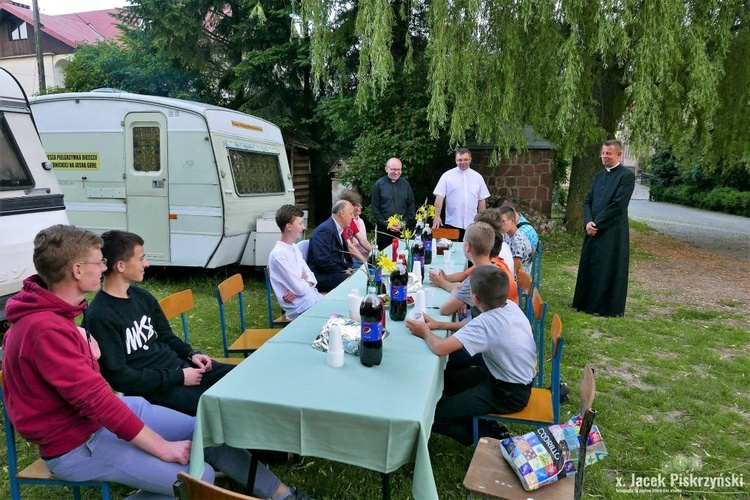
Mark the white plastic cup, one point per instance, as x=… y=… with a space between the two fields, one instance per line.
x=448 y=267
x=335 y=347
x=429 y=296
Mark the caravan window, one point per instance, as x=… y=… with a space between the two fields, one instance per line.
x=256 y=173
x=146 y=149
x=14 y=173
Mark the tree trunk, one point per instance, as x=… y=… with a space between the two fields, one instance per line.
x=610 y=98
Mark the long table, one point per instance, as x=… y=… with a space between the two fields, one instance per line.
x=285 y=397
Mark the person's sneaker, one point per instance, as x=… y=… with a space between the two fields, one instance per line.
x=298 y=494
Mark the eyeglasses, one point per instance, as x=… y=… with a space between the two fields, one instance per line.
x=102 y=262
x=503 y=222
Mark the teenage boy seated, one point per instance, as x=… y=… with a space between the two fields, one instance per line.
x=291 y=278
x=141 y=356
x=479 y=241
x=58 y=400
x=502 y=335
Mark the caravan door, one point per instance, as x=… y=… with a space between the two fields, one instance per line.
x=147 y=182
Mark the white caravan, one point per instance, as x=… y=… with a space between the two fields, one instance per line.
x=197 y=182
x=30 y=198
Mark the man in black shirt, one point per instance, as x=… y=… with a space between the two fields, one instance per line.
x=392 y=195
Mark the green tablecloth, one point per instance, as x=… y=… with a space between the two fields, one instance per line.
x=285 y=397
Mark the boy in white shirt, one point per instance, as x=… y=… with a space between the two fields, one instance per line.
x=503 y=335
x=292 y=280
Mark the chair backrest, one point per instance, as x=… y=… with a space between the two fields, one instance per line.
x=536 y=265
x=231 y=287
x=524 y=292
x=444 y=232
x=303 y=246
x=538 y=319
x=188 y=487
x=10 y=439
x=557 y=349
x=179 y=303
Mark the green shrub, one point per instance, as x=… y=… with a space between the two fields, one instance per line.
x=720 y=199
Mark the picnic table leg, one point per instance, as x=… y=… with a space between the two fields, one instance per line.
x=386 y=486
x=250 y=486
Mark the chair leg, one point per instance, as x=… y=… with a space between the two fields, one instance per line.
x=475 y=429
x=76 y=493
x=251 y=474
x=586 y=423
x=106 y=493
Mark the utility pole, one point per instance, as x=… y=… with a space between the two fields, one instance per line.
x=38 y=43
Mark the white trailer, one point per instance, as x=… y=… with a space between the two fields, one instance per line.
x=30 y=197
x=192 y=179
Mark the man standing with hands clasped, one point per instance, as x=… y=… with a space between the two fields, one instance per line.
x=392 y=195
x=602 y=285
x=464 y=192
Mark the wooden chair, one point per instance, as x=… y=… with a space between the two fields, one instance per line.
x=544 y=404
x=179 y=304
x=282 y=320
x=443 y=232
x=490 y=475
x=188 y=487
x=538 y=319
x=249 y=340
x=36 y=473
x=524 y=292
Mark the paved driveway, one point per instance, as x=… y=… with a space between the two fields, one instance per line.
x=723 y=234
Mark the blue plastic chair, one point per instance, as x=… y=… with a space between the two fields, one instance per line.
x=282 y=320
x=544 y=404
x=525 y=289
x=36 y=473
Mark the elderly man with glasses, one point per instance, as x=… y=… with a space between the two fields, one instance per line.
x=392 y=195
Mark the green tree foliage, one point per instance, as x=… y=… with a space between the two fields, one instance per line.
x=246 y=48
x=570 y=69
x=133 y=67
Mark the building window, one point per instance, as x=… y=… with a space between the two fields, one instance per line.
x=18 y=30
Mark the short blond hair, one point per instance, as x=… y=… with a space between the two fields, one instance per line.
x=481 y=237
x=58 y=247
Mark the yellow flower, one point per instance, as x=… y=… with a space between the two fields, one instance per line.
x=395 y=220
x=407 y=234
x=385 y=264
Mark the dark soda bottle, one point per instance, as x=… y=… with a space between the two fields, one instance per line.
x=427 y=242
x=371 y=336
x=399 y=286
x=417 y=254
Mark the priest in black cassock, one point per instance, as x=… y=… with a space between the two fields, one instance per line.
x=602 y=285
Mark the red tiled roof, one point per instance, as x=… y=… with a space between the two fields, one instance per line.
x=71 y=29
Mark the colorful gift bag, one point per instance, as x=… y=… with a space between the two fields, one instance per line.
x=549 y=454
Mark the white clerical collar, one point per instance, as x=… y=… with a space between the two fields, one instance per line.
x=609 y=169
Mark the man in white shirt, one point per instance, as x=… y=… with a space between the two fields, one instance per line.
x=292 y=280
x=464 y=192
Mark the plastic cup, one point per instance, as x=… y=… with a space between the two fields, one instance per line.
x=448 y=267
x=429 y=296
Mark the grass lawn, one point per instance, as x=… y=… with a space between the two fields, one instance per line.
x=672 y=384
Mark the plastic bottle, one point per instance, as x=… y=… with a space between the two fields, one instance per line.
x=375 y=277
x=371 y=337
x=354 y=303
x=399 y=286
x=427 y=242
x=417 y=253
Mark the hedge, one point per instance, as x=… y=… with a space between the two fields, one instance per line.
x=719 y=199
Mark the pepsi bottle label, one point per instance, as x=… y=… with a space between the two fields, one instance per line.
x=415 y=259
x=372 y=332
x=427 y=246
x=398 y=293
